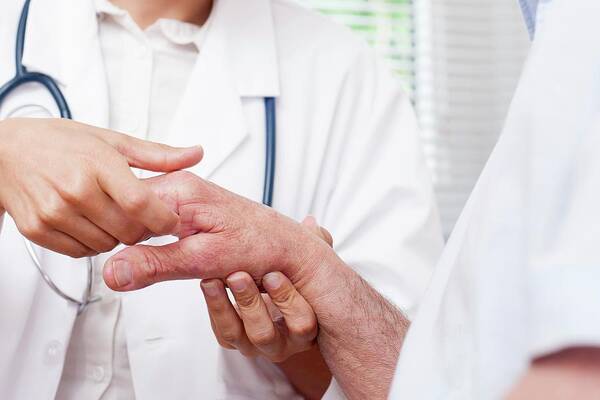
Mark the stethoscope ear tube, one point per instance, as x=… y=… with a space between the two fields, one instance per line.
x=20 y=43
x=22 y=76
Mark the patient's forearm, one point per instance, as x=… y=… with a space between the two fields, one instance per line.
x=360 y=332
x=308 y=373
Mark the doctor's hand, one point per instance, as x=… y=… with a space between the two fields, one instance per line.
x=69 y=186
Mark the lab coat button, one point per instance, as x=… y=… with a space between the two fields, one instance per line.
x=54 y=352
x=97 y=374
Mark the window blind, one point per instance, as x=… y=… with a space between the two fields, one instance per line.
x=386 y=24
x=460 y=61
x=473 y=55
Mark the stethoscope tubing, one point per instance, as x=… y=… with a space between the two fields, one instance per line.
x=271 y=151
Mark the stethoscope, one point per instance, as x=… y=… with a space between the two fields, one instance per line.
x=23 y=77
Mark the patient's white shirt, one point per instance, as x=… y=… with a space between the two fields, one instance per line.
x=520 y=276
x=146 y=74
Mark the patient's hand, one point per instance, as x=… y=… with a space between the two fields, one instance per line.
x=278 y=325
x=221 y=233
x=275 y=325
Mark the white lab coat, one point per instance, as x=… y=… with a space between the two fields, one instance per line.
x=348 y=153
x=519 y=277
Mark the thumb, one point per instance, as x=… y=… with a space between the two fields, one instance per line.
x=311 y=224
x=152 y=156
x=139 y=266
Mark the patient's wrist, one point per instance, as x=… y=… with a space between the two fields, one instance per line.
x=321 y=276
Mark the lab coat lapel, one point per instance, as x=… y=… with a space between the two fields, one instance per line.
x=211 y=112
x=237 y=59
x=62 y=42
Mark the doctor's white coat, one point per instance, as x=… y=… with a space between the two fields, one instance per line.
x=348 y=153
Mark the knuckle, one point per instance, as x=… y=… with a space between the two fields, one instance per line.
x=150 y=264
x=305 y=328
x=34 y=229
x=286 y=296
x=78 y=192
x=250 y=302
x=219 y=306
x=224 y=344
x=183 y=176
x=163 y=154
x=134 y=201
x=231 y=335
x=263 y=338
x=53 y=212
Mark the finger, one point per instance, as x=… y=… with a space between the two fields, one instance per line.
x=139 y=266
x=87 y=233
x=254 y=313
x=227 y=325
x=108 y=216
x=137 y=200
x=221 y=342
x=152 y=156
x=311 y=224
x=299 y=316
x=61 y=243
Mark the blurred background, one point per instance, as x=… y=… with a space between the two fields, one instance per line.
x=460 y=61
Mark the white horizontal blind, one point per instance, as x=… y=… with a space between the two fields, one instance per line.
x=470 y=57
x=386 y=24
x=460 y=61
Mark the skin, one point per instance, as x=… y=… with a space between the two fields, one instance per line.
x=348 y=311
x=278 y=325
x=145 y=12
x=69 y=187
x=222 y=233
x=307 y=372
x=573 y=373
x=360 y=334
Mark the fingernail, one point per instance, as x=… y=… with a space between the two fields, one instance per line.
x=122 y=273
x=210 y=289
x=272 y=281
x=237 y=284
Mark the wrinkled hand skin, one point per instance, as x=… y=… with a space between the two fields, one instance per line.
x=220 y=233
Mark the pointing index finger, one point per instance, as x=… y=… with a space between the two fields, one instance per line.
x=137 y=200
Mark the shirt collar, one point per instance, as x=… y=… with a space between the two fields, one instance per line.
x=529 y=8
x=177 y=32
x=242 y=32
x=105 y=7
